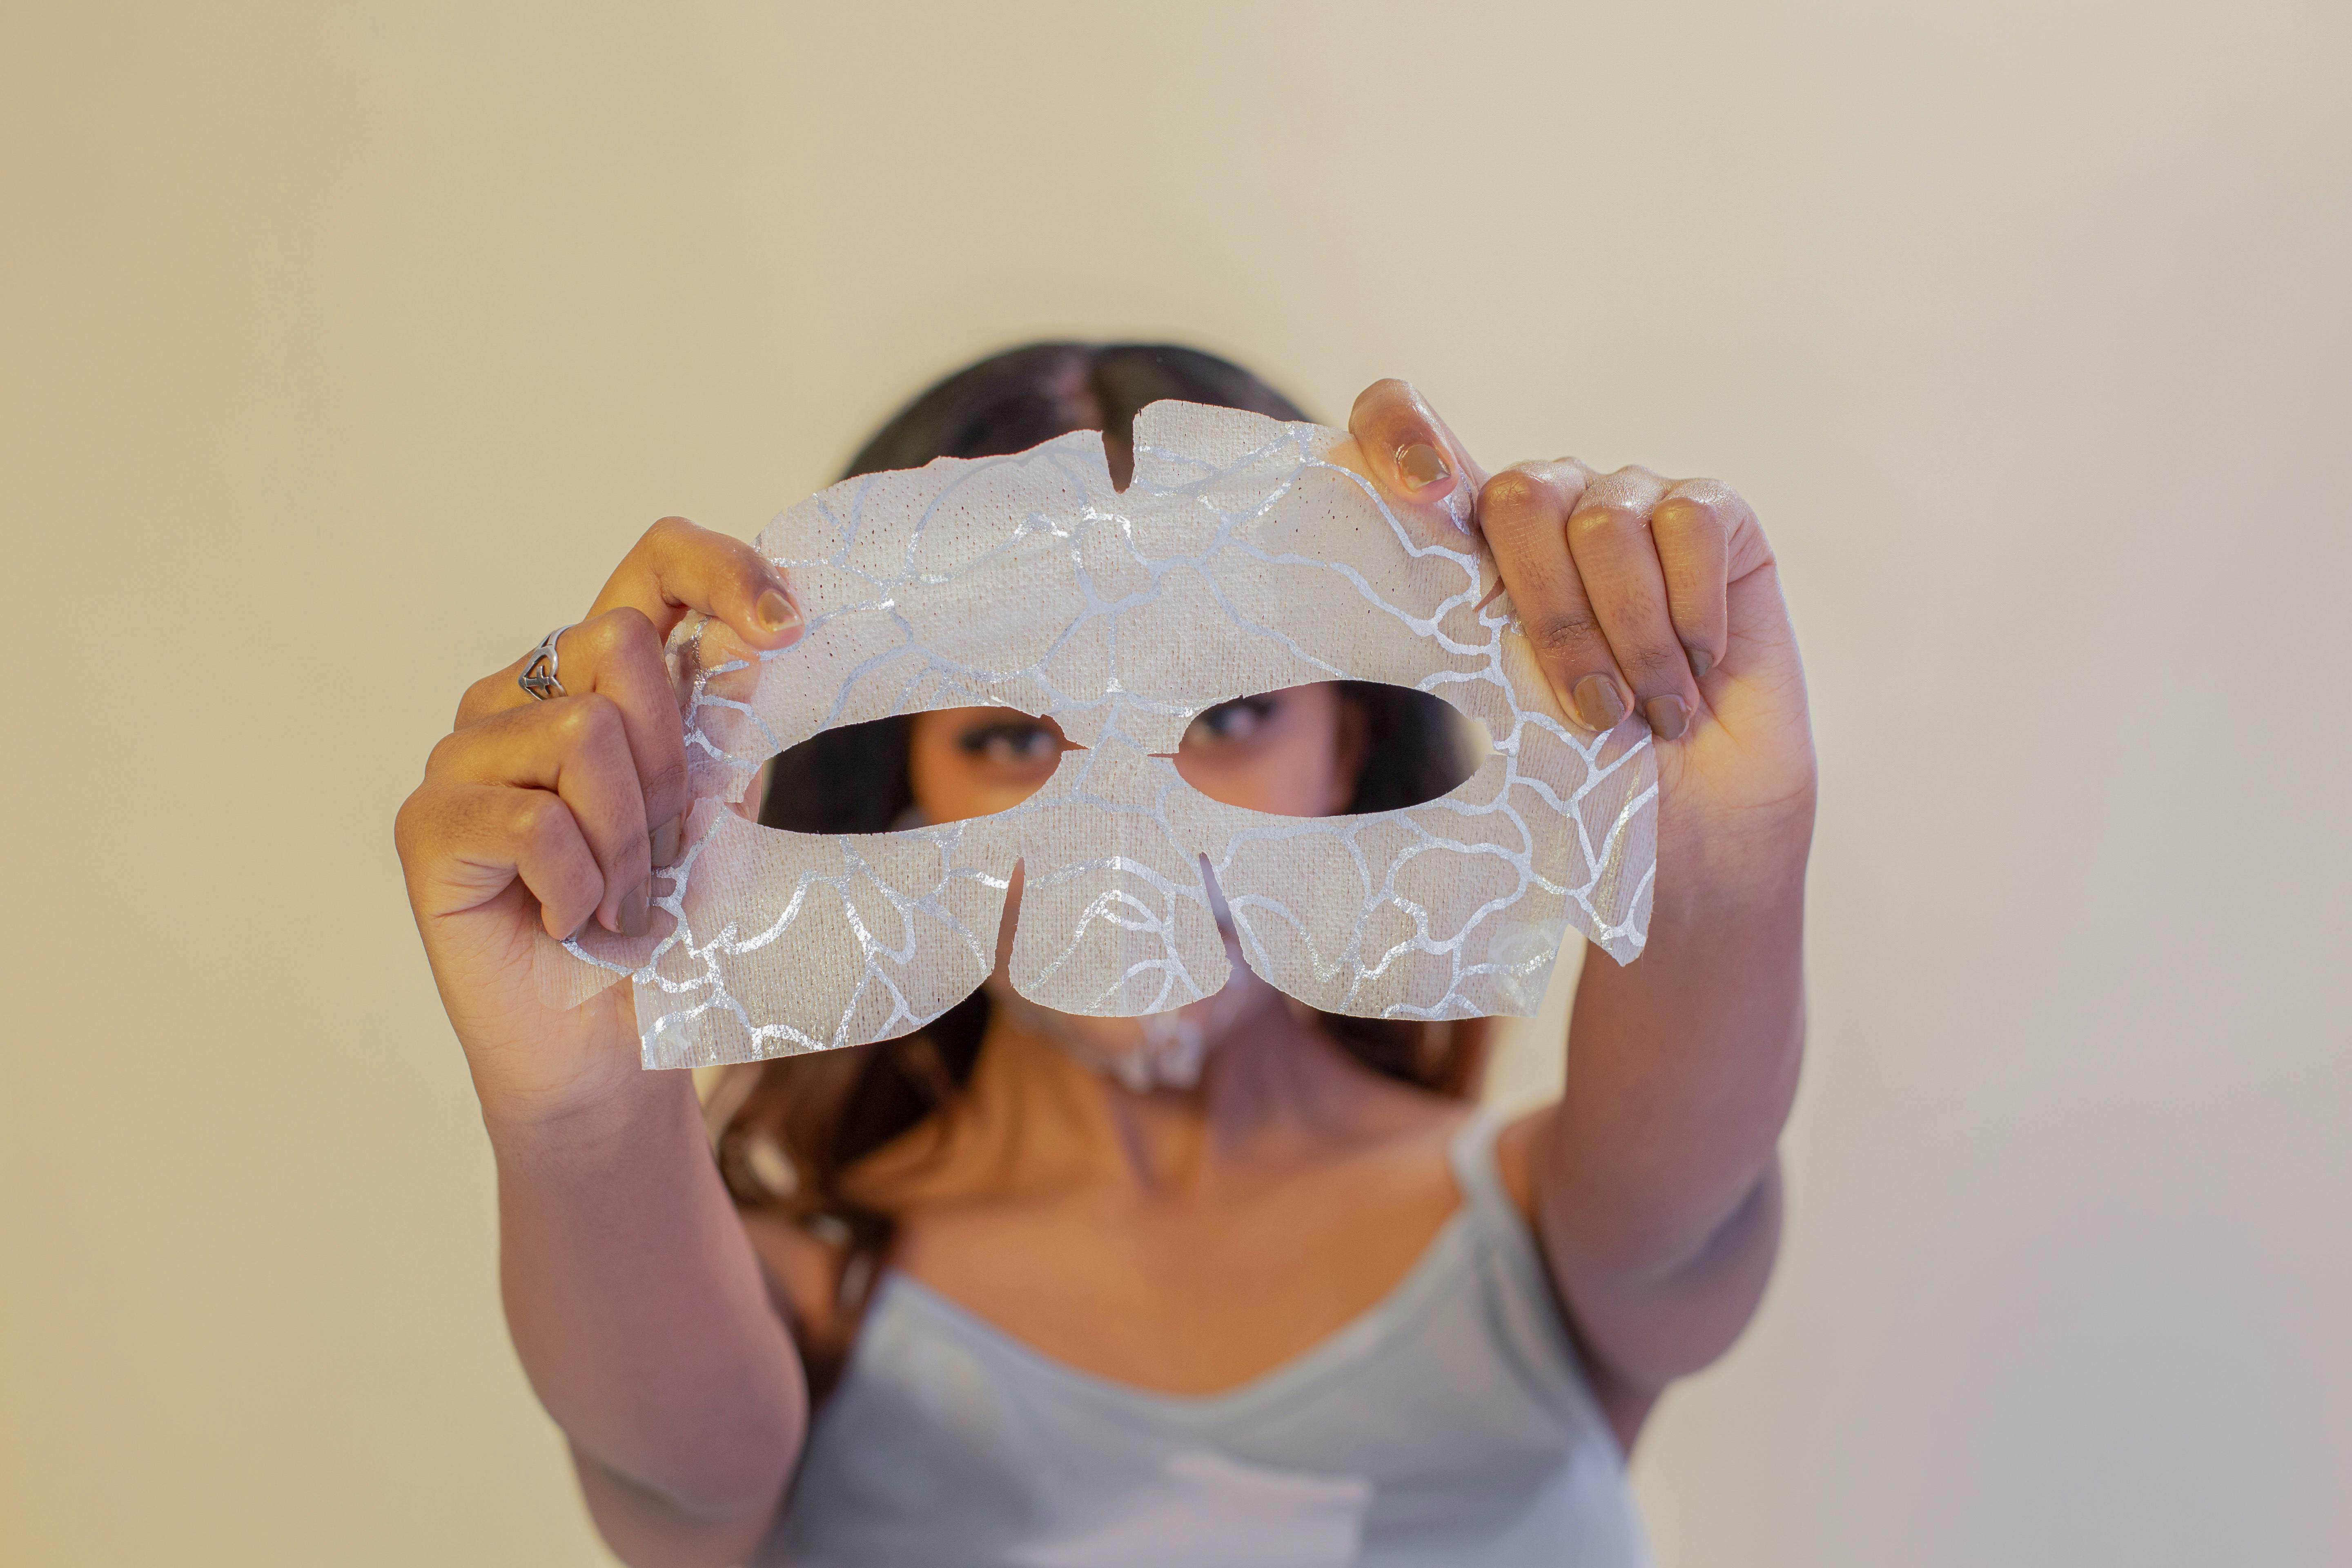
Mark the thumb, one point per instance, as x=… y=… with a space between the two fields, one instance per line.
x=1412 y=454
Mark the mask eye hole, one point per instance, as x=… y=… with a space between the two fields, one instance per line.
x=892 y=775
x=1336 y=747
x=849 y=779
x=964 y=762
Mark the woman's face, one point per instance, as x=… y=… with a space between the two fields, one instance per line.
x=1291 y=753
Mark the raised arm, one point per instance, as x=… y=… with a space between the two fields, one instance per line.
x=1655 y=1185
x=634 y=1298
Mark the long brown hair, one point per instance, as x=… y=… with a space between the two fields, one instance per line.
x=788 y=1141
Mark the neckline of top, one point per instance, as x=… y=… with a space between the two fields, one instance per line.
x=1346 y=1345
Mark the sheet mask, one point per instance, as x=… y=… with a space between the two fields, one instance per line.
x=1240 y=559
x=1160 y=1050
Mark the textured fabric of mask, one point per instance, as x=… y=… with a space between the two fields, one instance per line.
x=1239 y=560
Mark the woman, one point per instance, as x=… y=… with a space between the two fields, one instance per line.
x=1036 y=1289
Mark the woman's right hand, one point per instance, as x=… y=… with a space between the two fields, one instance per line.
x=554 y=814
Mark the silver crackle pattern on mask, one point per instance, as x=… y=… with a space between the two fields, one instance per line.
x=1239 y=560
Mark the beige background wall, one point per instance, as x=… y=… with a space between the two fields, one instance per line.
x=341 y=349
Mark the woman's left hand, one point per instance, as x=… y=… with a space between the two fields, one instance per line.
x=1641 y=595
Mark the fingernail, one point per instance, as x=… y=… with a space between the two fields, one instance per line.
x=1701 y=662
x=1420 y=466
x=666 y=840
x=776 y=612
x=634 y=915
x=1599 y=705
x=1668 y=717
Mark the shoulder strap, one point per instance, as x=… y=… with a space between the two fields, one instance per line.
x=1472 y=1155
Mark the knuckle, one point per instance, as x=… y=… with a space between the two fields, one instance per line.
x=586 y=720
x=1733 y=508
x=1568 y=477
x=617 y=634
x=408 y=827
x=1650 y=667
x=540 y=819
x=1603 y=519
x=634 y=860
x=1569 y=481
x=1684 y=514
x=746 y=565
x=1515 y=499
x=479 y=699
x=598 y=636
x=632 y=624
x=665 y=780
x=664 y=533
x=1562 y=635
x=444 y=751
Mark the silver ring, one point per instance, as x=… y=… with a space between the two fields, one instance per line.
x=538 y=676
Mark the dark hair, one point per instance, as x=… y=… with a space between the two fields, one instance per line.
x=787 y=1144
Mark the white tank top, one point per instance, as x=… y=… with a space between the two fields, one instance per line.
x=1450 y=1424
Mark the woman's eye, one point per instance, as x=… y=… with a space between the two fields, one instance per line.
x=1234 y=720
x=1012 y=745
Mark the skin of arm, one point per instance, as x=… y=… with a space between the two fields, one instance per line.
x=641 y=1318
x=1657 y=1188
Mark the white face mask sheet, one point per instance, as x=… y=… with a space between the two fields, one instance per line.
x=1239 y=560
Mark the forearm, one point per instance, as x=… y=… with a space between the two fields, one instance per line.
x=638 y=1309
x=1681 y=1064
